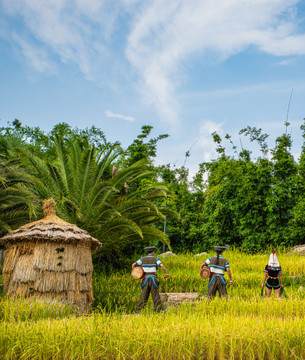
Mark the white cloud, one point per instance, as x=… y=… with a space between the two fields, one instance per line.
x=286 y=62
x=164 y=34
x=36 y=56
x=111 y=114
x=75 y=32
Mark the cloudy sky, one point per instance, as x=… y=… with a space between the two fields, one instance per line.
x=186 y=67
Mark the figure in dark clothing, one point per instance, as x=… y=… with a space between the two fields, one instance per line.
x=273 y=274
x=150 y=283
x=218 y=265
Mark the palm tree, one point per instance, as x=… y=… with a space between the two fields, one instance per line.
x=17 y=202
x=91 y=193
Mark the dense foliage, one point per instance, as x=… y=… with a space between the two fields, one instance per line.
x=249 y=203
x=121 y=198
x=82 y=172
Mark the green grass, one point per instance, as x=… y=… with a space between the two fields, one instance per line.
x=245 y=326
x=120 y=292
x=20 y=309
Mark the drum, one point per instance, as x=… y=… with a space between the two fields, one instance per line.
x=205 y=272
x=137 y=272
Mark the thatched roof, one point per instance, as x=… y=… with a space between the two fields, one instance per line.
x=51 y=228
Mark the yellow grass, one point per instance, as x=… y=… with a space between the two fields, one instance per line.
x=245 y=326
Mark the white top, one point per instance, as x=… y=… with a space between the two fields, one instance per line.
x=273 y=261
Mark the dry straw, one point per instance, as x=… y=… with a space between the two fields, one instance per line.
x=50 y=258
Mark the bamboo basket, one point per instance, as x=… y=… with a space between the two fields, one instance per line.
x=137 y=272
x=205 y=272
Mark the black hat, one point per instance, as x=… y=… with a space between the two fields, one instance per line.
x=150 y=248
x=220 y=248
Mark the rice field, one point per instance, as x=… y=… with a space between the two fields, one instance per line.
x=247 y=272
x=246 y=326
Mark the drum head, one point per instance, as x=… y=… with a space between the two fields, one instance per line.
x=137 y=272
x=205 y=272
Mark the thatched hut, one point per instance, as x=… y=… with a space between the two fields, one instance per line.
x=50 y=259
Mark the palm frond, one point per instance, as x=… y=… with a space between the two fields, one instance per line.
x=122 y=225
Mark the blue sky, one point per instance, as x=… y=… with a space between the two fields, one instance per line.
x=187 y=68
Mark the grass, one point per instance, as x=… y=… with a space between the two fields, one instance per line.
x=245 y=326
x=20 y=309
x=120 y=292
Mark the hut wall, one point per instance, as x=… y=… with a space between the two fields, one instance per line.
x=24 y=271
x=18 y=265
x=50 y=270
x=8 y=266
x=63 y=257
x=11 y=255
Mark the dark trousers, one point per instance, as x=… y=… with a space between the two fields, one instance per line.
x=149 y=288
x=217 y=285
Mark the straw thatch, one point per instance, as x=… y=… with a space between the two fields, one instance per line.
x=50 y=258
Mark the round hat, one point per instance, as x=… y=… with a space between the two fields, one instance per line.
x=220 y=248
x=150 y=248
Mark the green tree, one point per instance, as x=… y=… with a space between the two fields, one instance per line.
x=17 y=202
x=296 y=234
x=188 y=201
x=43 y=144
x=139 y=149
x=236 y=191
x=284 y=195
x=90 y=194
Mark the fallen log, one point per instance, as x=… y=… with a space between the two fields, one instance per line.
x=178 y=298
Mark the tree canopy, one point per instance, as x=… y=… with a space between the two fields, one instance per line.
x=118 y=195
